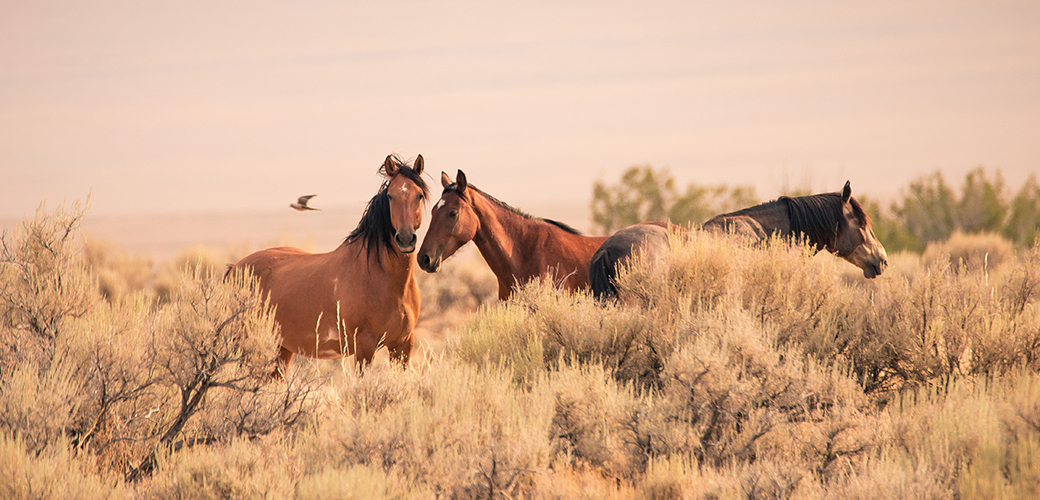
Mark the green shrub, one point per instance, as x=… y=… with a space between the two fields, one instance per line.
x=930 y=211
x=644 y=194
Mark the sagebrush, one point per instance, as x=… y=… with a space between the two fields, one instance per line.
x=730 y=371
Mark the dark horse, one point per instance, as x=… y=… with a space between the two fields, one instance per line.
x=647 y=238
x=363 y=294
x=832 y=221
x=516 y=246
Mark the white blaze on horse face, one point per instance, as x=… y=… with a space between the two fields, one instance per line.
x=440 y=203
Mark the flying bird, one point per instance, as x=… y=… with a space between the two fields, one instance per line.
x=301 y=203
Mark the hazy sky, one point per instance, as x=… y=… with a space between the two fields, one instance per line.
x=164 y=107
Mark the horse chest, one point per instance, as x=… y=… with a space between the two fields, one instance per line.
x=382 y=310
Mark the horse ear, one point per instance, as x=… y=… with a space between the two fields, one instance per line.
x=460 y=182
x=389 y=166
x=445 y=180
x=418 y=165
x=846 y=192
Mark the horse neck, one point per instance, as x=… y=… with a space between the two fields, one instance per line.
x=773 y=216
x=819 y=231
x=519 y=249
x=501 y=233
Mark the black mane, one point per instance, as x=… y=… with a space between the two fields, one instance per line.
x=375 y=229
x=820 y=218
x=454 y=189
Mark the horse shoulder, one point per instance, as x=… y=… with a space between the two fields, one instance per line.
x=567 y=245
x=411 y=304
x=570 y=255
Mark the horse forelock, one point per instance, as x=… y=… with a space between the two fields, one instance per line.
x=453 y=188
x=407 y=171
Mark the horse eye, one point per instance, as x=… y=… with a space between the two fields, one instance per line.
x=454 y=214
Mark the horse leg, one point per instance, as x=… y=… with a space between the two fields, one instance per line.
x=401 y=353
x=364 y=351
x=284 y=357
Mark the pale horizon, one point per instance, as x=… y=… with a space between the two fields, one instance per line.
x=201 y=107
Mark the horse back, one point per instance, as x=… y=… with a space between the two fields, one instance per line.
x=737 y=225
x=651 y=239
x=573 y=260
x=264 y=264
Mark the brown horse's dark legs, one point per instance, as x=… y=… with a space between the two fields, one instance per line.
x=284 y=357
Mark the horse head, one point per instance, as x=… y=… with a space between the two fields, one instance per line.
x=453 y=223
x=405 y=195
x=856 y=242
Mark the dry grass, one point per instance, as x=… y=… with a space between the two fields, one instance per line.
x=730 y=372
x=971 y=252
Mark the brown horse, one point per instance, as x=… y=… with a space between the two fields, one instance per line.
x=832 y=221
x=363 y=294
x=517 y=246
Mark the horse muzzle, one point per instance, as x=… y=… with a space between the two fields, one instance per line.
x=405 y=242
x=429 y=265
x=874 y=269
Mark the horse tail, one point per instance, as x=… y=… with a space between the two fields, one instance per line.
x=227 y=272
x=603 y=276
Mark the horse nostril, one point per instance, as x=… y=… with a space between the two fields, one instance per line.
x=424 y=261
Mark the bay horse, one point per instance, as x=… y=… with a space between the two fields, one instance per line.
x=832 y=221
x=363 y=294
x=516 y=246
